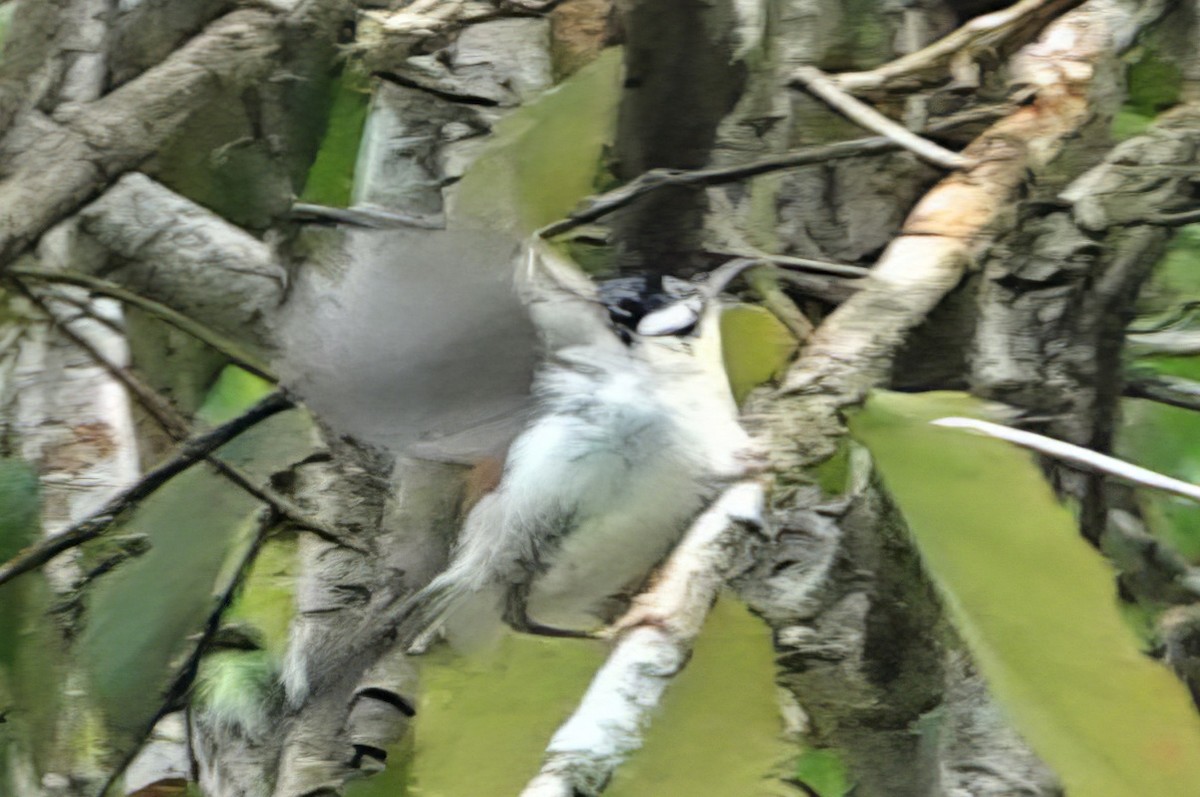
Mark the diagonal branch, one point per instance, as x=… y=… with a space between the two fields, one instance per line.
x=998 y=32
x=601 y=205
x=86 y=149
x=225 y=345
x=656 y=642
x=177 y=427
x=192 y=451
x=822 y=86
x=1172 y=390
x=1069 y=452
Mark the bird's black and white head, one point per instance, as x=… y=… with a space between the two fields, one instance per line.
x=656 y=306
x=652 y=306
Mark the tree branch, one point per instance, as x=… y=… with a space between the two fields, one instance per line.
x=656 y=641
x=822 y=86
x=600 y=205
x=1078 y=455
x=192 y=451
x=225 y=345
x=177 y=427
x=999 y=32
x=1172 y=390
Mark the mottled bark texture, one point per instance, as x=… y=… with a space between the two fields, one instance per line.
x=1027 y=262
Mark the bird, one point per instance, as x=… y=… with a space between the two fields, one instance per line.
x=634 y=430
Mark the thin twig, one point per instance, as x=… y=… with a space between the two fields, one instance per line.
x=825 y=88
x=185 y=673
x=765 y=282
x=190 y=452
x=1182 y=393
x=601 y=205
x=1175 y=219
x=178 y=429
x=798 y=263
x=1007 y=28
x=364 y=216
x=1078 y=455
x=227 y=346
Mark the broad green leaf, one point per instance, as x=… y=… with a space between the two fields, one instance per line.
x=756 y=347
x=545 y=156
x=30 y=666
x=718 y=730
x=485 y=719
x=1035 y=604
x=331 y=178
x=198 y=524
x=824 y=772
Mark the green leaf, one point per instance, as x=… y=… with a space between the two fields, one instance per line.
x=718 y=730
x=141 y=616
x=824 y=772
x=31 y=670
x=331 y=178
x=756 y=347
x=1034 y=602
x=545 y=156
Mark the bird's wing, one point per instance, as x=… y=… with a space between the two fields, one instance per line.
x=563 y=302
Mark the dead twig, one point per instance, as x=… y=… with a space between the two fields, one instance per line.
x=177 y=427
x=825 y=88
x=999 y=32
x=601 y=205
x=1078 y=455
x=227 y=346
x=190 y=452
x=1182 y=393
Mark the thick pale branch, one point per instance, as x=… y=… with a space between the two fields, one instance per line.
x=189 y=454
x=960 y=216
x=656 y=642
x=114 y=134
x=995 y=33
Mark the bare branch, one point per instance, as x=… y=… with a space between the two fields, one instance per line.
x=227 y=346
x=1076 y=454
x=821 y=85
x=115 y=133
x=999 y=32
x=602 y=204
x=1172 y=342
x=177 y=427
x=191 y=452
x=656 y=640
x=1182 y=393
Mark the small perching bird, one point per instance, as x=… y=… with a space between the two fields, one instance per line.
x=635 y=428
